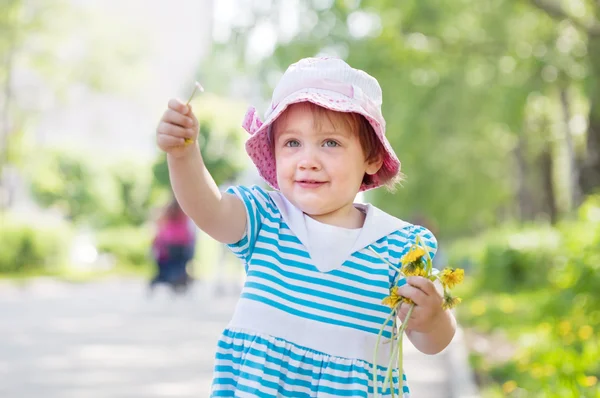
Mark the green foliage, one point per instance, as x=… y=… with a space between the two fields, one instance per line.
x=28 y=246
x=160 y=171
x=30 y=33
x=133 y=186
x=218 y=155
x=67 y=182
x=130 y=245
x=518 y=259
x=32 y=246
x=58 y=45
x=539 y=288
x=87 y=191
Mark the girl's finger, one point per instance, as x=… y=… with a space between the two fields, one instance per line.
x=413 y=293
x=179 y=106
x=169 y=141
x=174 y=130
x=178 y=119
x=403 y=309
x=423 y=284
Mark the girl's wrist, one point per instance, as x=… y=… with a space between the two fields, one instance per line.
x=438 y=335
x=188 y=154
x=444 y=320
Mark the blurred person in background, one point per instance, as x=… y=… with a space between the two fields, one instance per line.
x=173 y=247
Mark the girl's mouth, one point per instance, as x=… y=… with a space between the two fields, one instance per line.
x=310 y=183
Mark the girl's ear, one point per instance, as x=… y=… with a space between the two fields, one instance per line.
x=374 y=165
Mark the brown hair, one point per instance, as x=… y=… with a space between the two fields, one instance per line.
x=358 y=124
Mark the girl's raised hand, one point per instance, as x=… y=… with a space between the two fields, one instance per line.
x=177 y=124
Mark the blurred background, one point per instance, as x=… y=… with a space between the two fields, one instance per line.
x=493 y=107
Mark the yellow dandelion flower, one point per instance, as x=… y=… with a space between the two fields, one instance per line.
x=414 y=269
x=450 y=301
x=414 y=255
x=564 y=328
x=452 y=276
x=392 y=300
x=588 y=381
x=478 y=307
x=585 y=332
x=509 y=386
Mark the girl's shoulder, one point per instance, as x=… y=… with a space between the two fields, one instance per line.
x=254 y=196
x=393 y=225
x=399 y=234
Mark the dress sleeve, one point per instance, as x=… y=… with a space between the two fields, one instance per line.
x=409 y=237
x=255 y=201
x=427 y=238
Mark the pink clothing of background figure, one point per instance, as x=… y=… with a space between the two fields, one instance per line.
x=174 y=228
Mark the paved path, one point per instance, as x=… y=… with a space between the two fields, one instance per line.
x=110 y=340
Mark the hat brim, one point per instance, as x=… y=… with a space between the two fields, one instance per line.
x=259 y=147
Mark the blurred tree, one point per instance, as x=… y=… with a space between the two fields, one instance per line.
x=43 y=58
x=19 y=21
x=460 y=82
x=86 y=190
x=65 y=181
x=134 y=194
x=584 y=16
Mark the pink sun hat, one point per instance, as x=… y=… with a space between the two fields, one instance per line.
x=330 y=83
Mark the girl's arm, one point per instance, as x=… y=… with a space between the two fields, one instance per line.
x=220 y=215
x=438 y=338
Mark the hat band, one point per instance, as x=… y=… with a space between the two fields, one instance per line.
x=320 y=84
x=349 y=90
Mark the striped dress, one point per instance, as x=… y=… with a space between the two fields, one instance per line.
x=298 y=331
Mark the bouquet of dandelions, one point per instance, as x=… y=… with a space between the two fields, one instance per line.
x=416 y=262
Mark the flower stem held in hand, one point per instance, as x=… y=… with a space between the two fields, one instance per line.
x=416 y=262
x=197 y=86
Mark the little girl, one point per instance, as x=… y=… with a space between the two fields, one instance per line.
x=307 y=320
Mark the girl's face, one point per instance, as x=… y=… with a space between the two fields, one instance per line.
x=320 y=166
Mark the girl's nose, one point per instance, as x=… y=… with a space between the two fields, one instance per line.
x=309 y=161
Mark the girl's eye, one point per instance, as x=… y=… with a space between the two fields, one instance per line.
x=331 y=143
x=292 y=143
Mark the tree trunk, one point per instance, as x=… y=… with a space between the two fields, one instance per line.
x=5 y=189
x=590 y=170
x=546 y=162
x=573 y=183
x=524 y=201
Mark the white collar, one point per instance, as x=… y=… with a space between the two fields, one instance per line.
x=377 y=223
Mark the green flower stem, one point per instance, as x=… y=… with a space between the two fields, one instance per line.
x=196 y=87
x=398 y=349
x=400 y=362
x=394 y=327
x=429 y=261
x=375 y=389
x=400 y=333
x=388 y=375
x=385 y=261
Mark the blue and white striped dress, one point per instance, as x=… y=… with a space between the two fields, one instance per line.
x=301 y=332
